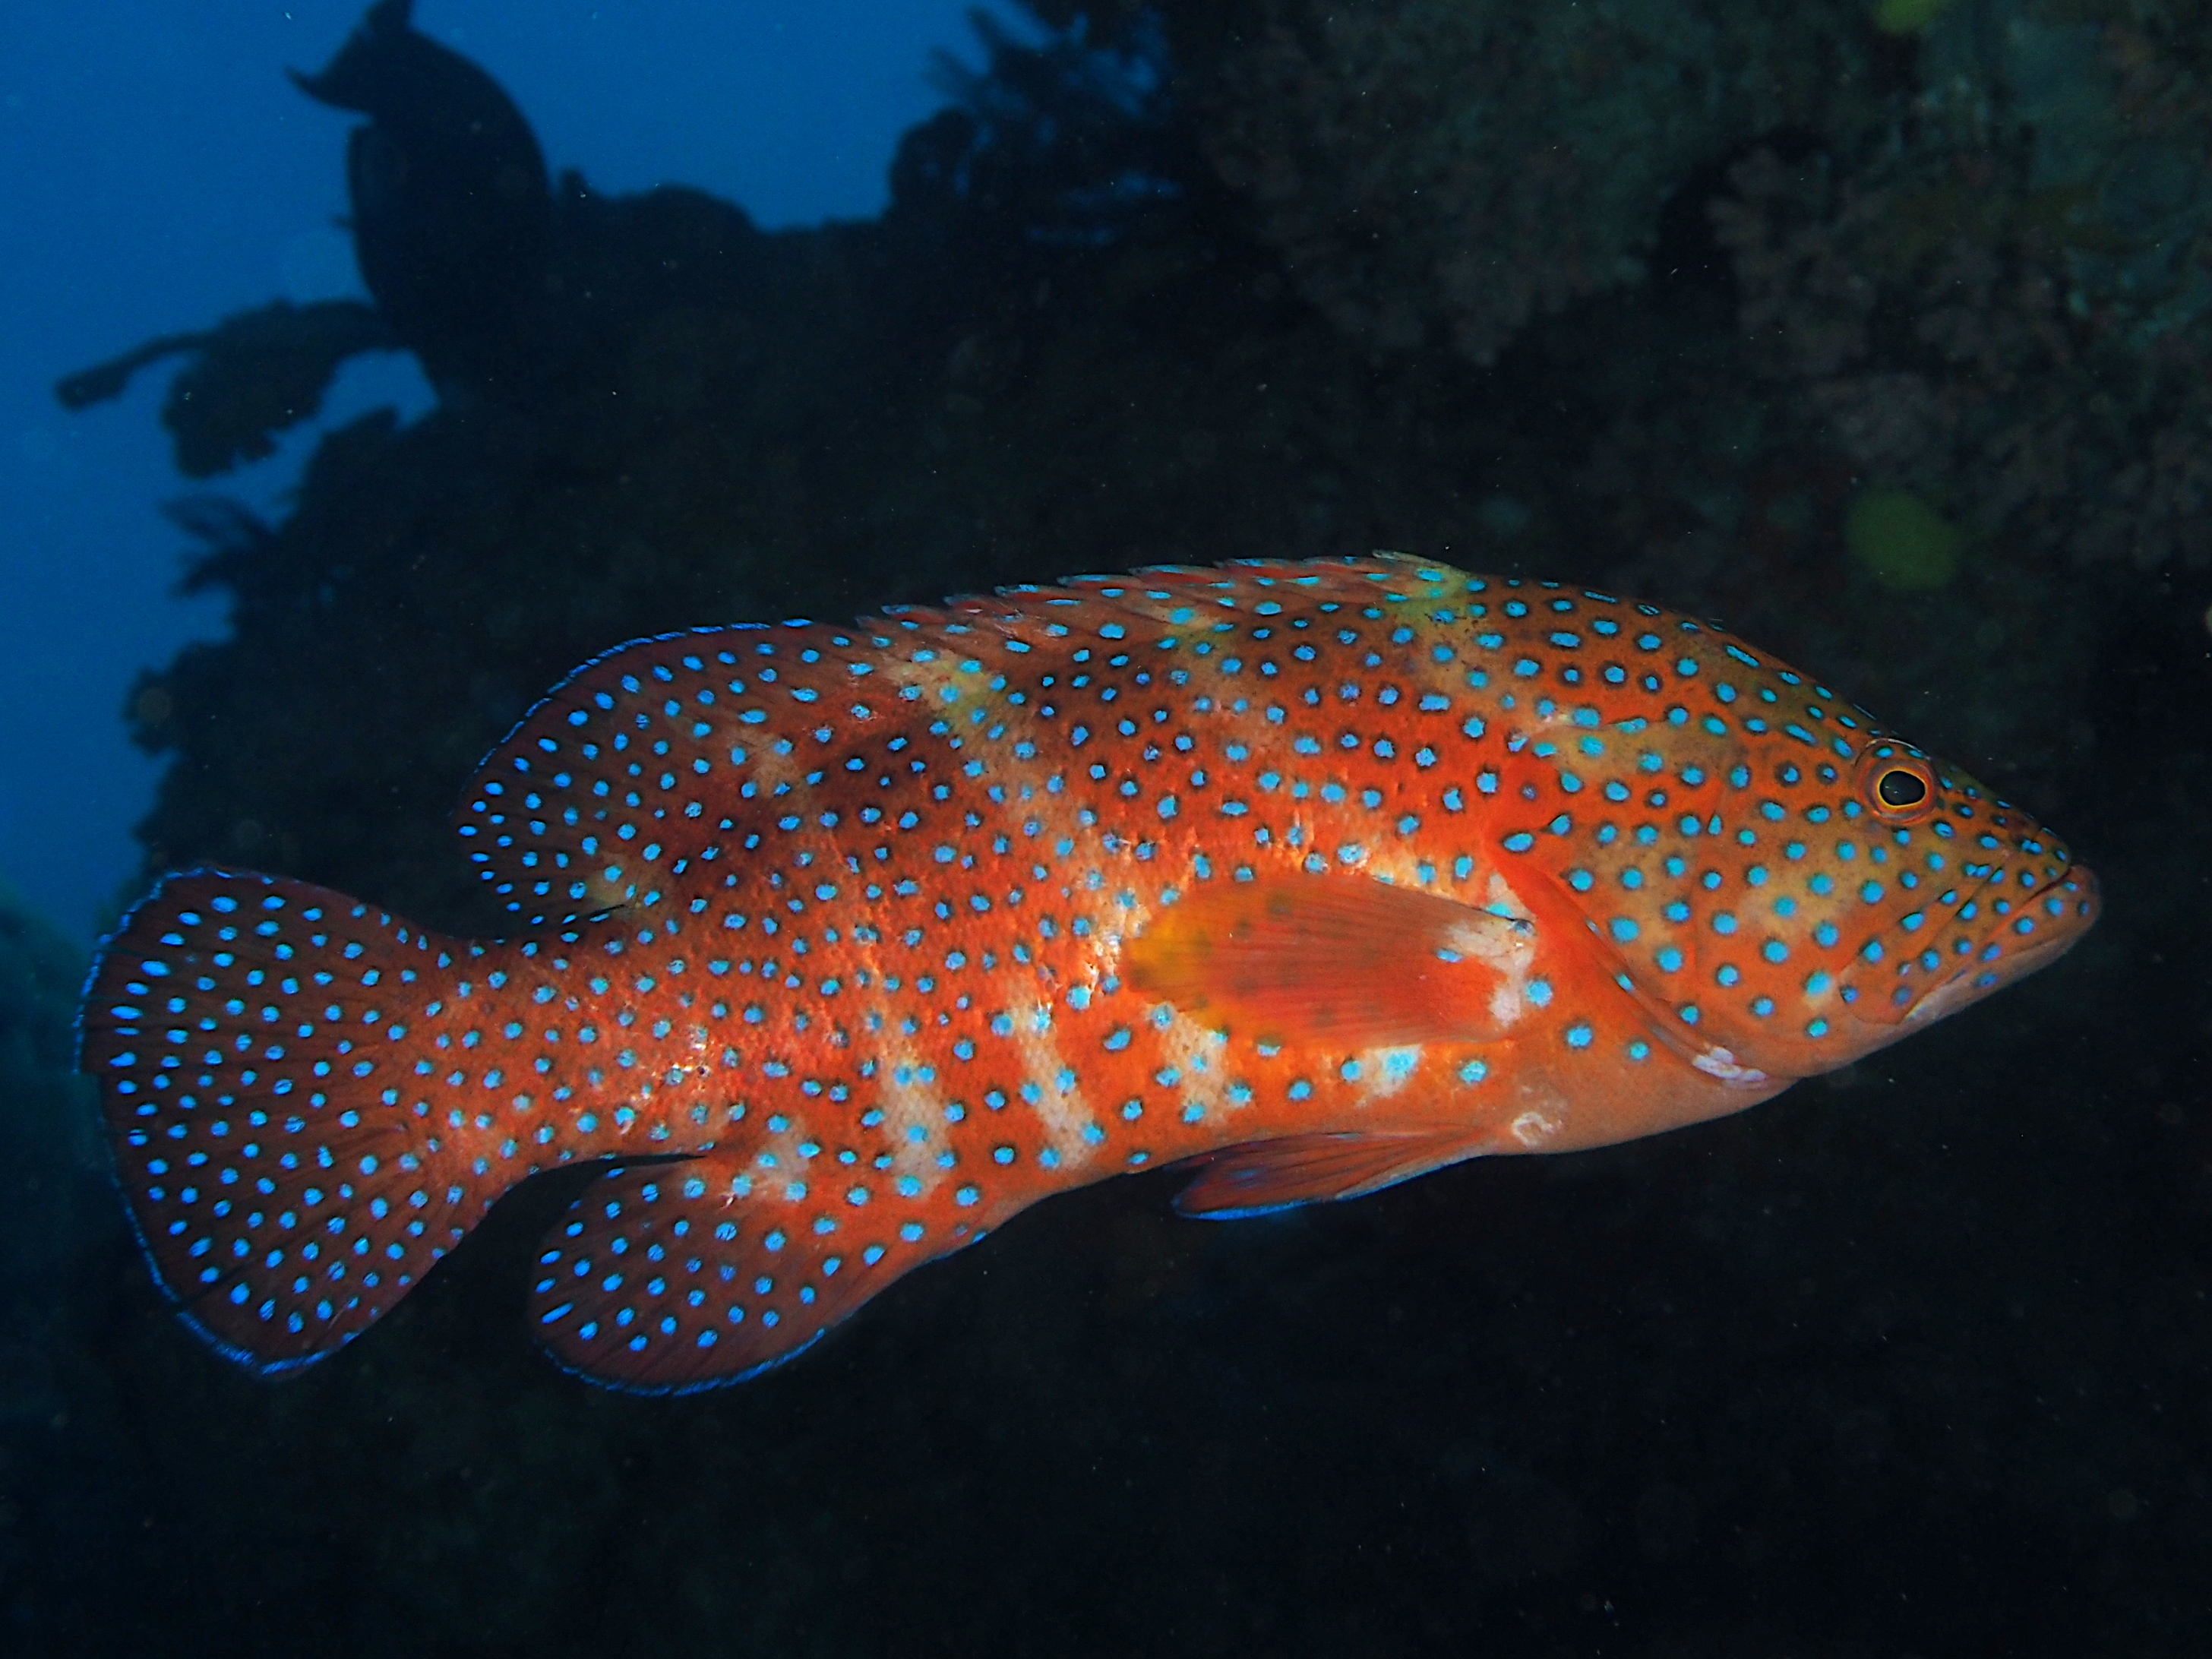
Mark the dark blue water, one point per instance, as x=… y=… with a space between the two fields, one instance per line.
x=1887 y=338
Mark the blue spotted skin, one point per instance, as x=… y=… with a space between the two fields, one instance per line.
x=1727 y=842
x=846 y=919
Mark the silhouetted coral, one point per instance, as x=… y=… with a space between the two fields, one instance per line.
x=2011 y=311
x=54 y=1194
x=252 y=375
x=452 y=213
x=1438 y=172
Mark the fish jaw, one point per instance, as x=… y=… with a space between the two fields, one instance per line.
x=1892 y=985
x=2062 y=910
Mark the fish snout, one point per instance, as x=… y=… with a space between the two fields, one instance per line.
x=2043 y=927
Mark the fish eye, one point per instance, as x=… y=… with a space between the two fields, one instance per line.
x=1900 y=788
x=1897 y=784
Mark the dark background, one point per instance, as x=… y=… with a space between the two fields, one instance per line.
x=157 y=170
x=1883 y=336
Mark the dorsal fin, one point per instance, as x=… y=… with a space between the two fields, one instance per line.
x=1245 y=583
x=671 y=749
x=667 y=750
x=1186 y=595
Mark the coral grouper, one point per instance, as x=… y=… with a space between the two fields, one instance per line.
x=847 y=943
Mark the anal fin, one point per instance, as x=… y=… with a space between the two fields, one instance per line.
x=660 y=1280
x=1314 y=1168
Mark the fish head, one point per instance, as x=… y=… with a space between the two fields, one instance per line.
x=1996 y=896
x=1783 y=885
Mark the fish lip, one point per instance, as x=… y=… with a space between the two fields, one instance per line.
x=1959 y=990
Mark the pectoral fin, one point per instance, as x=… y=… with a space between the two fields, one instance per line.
x=1345 y=960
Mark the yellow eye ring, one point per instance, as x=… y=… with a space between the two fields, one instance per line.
x=1897 y=786
x=1900 y=789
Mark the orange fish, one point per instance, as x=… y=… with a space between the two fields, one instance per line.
x=852 y=943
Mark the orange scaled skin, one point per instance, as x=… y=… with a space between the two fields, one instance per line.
x=1340 y=871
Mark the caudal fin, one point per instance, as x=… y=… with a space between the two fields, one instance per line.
x=287 y=1161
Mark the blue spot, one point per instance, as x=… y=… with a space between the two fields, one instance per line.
x=1623 y=929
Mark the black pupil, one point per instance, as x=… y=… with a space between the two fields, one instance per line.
x=1901 y=789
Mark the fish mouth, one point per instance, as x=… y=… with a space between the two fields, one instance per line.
x=2059 y=912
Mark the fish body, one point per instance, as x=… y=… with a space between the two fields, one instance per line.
x=865 y=939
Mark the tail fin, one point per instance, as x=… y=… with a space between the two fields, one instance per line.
x=289 y=1173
